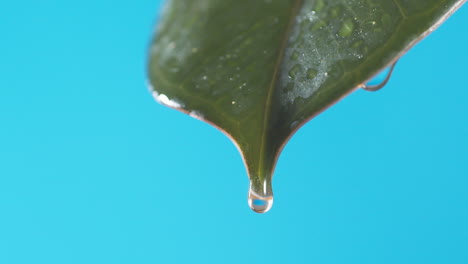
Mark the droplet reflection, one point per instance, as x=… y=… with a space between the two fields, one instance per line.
x=260 y=204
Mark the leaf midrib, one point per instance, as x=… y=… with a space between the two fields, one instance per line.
x=271 y=87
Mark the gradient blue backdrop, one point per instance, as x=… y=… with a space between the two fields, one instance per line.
x=92 y=170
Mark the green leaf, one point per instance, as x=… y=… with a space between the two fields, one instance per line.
x=259 y=69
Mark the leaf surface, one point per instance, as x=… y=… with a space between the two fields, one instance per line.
x=259 y=69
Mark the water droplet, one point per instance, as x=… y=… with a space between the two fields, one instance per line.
x=379 y=81
x=295 y=55
x=295 y=70
x=260 y=197
x=311 y=16
x=347 y=28
x=163 y=99
x=311 y=73
x=360 y=48
x=260 y=204
x=334 y=11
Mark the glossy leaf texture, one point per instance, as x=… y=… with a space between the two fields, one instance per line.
x=259 y=69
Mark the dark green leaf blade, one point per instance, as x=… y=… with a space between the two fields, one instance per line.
x=258 y=70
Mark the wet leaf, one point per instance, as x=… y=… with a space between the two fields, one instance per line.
x=260 y=69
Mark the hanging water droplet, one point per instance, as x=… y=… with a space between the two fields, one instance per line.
x=379 y=81
x=261 y=203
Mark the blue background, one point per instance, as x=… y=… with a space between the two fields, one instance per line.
x=92 y=170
